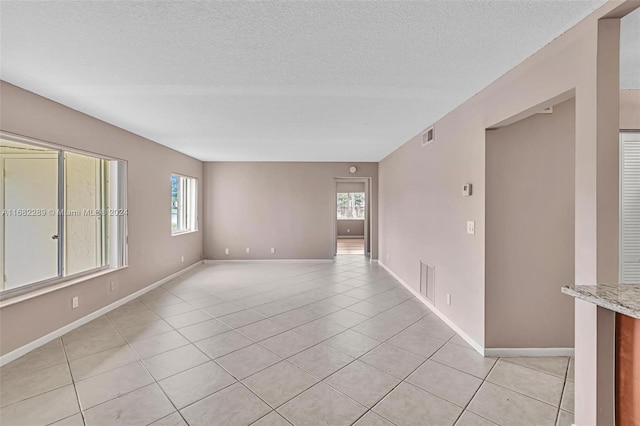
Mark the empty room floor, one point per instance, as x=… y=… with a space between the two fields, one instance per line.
x=276 y=344
x=350 y=245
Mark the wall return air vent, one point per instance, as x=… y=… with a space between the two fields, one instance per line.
x=428 y=136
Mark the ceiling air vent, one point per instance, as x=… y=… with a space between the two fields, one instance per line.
x=428 y=136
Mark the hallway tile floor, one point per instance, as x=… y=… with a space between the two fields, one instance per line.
x=276 y=344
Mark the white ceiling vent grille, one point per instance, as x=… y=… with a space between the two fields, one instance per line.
x=428 y=136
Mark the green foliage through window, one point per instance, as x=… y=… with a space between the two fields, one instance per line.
x=351 y=205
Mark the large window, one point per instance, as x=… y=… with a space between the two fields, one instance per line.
x=184 y=208
x=351 y=205
x=63 y=214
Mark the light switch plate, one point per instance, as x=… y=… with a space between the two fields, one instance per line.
x=471 y=227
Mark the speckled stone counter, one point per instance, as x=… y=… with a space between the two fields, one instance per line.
x=621 y=298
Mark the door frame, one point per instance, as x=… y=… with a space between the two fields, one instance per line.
x=367 y=212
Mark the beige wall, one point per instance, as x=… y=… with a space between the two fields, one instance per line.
x=529 y=244
x=350 y=228
x=630 y=109
x=423 y=215
x=153 y=252
x=288 y=206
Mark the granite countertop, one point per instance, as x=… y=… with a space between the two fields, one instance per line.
x=622 y=298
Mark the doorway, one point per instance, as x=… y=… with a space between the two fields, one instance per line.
x=351 y=217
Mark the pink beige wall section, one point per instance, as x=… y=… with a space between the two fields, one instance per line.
x=423 y=215
x=153 y=252
x=287 y=206
x=530 y=231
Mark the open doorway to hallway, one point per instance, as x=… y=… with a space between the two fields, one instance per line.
x=351 y=217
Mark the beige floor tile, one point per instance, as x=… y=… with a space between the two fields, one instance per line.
x=536 y=384
x=75 y=420
x=139 y=407
x=363 y=383
x=346 y=318
x=94 y=344
x=564 y=418
x=247 y=361
x=293 y=318
x=42 y=409
x=271 y=309
x=464 y=359
x=261 y=330
x=321 y=405
x=288 y=343
x=568 y=397
x=98 y=326
x=144 y=330
x=205 y=302
x=202 y=330
x=571 y=370
x=223 y=309
x=187 y=318
x=380 y=328
x=556 y=365
x=234 y=405
x=157 y=344
x=174 y=361
x=433 y=326
x=222 y=344
x=445 y=382
x=101 y=362
x=133 y=318
x=372 y=419
x=174 y=419
x=33 y=361
x=342 y=301
x=272 y=419
x=352 y=343
x=408 y=405
x=393 y=360
x=279 y=383
x=469 y=419
x=241 y=318
x=103 y=387
x=170 y=310
x=33 y=383
x=196 y=383
x=321 y=360
x=320 y=328
x=416 y=343
x=458 y=340
x=504 y=406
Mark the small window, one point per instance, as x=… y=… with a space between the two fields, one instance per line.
x=351 y=205
x=184 y=205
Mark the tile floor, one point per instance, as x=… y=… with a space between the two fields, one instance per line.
x=277 y=344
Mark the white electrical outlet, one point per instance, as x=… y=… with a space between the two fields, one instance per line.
x=348 y=230
x=226 y=251
x=112 y=286
x=448 y=299
x=74 y=302
x=248 y=250
x=182 y=259
x=273 y=250
x=471 y=227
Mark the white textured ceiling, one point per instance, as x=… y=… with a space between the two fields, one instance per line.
x=273 y=81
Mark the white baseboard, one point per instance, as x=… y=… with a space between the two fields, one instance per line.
x=346 y=237
x=22 y=350
x=531 y=352
x=439 y=314
x=214 y=261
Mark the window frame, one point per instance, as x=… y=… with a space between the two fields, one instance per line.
x=191 y=216
x=118 y=232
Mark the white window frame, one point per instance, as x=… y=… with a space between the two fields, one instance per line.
x=187 y=204
x=117 y=233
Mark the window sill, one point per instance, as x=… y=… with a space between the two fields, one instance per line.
x=362 y=220
x=175 y=234
x=58 y=286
